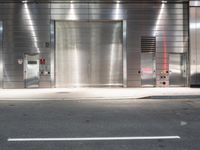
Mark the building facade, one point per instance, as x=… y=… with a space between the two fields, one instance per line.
x=60 y=43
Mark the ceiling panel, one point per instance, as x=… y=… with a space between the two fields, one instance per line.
x=94 y=1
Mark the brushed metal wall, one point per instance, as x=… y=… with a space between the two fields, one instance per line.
x=27 y=29
x=168 y=22
x=195 y=45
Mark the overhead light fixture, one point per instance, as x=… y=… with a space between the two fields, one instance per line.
x=24 y=1
x=118 y=1
x=71 y=1
x=164 y=2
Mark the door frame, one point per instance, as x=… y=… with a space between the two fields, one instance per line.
x=1 y=54
x=53 y=47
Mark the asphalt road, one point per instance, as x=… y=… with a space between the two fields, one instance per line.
x=101 y=118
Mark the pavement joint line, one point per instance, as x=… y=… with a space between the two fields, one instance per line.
x=92 y=138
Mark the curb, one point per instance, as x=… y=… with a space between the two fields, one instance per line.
x=166 y=97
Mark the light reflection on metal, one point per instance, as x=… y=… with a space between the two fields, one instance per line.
x=76 y=67
x=147 y=70
x=112 y=57
x=31 y=27
x=76 y=55
x=72 y=14
x=159 y=19
x=165 y=64
x=52 y=45
x=117 y=11
x=124 y=54
x=195 y=3
x=194 y=25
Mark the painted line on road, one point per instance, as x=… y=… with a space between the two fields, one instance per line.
x=92 y=139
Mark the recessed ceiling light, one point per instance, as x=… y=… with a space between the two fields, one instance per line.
x=118 y=1
x=24 y=1
x=164 y=2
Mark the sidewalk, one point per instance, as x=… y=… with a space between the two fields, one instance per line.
x=97 y=93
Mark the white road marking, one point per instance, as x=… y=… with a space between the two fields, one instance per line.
x=92 y=138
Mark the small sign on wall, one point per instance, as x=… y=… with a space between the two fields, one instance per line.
x=47 y=45
x=42 y=61
x=20 y=61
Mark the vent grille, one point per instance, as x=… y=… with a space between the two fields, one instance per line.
x=148 y=44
